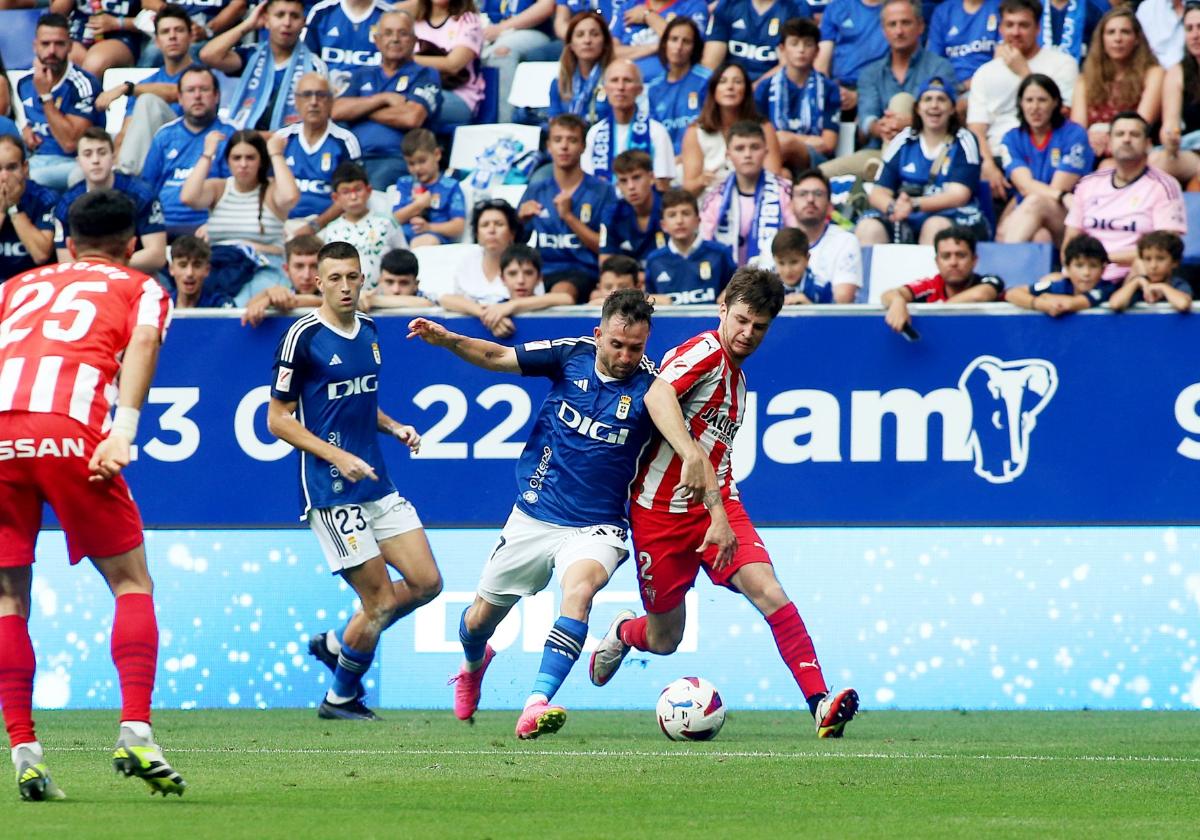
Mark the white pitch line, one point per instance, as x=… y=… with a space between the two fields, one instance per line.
x=682 y=753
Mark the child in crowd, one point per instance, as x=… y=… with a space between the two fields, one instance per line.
x=634 y=226
x=616 y=272
x=521 y=271
x=802 y=103
x=689 y=269
x=191 y=259
x=300 y=268
x=373 y=234
x=1160 y=253
x=1080 y=286
x=430 y=206
x=789 y=249
x=399 y=285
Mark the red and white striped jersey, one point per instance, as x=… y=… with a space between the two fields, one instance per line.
x=712 y=392
x=63 y=329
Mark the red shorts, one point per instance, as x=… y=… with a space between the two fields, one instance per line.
x=667 y=560
x=44 y=459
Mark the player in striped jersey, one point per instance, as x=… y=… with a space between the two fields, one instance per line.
x=324 y=403
x=706 y=375
x=66 y=331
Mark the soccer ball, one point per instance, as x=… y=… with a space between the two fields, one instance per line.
x=690 y=709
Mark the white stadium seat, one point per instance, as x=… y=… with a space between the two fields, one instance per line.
x=470 y=141
x=15 y=76
x=438 y=264
x=114 y=117
x=895 y=265
x=531 y=84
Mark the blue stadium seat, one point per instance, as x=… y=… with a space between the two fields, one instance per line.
x=489 y=108
x=1191 y=242
x=16 y=37
x=1016 y=263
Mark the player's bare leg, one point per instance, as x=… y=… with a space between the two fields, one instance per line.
x=757 y=581
x=373 y=585
x=580 y=583
x=135 y=654
x=476 y=625
x=658 y=633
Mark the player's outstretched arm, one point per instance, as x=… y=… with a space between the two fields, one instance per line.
x=282 y=422
x=485 y=354
x=663 y=404
x=137 y=371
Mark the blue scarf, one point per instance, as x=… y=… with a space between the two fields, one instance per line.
x=583 y=102
x=1071 y=39
x=812 y=103
x=768 y=215
x=257 y=81
x=604 y=146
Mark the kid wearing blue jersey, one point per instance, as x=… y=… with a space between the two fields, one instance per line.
x=965 y=32
x=1080 y=286
x=689 y=269
x=789 y=249
x=747 y=32
x=803 y=104
x=676 y=94
x=430 y=207
x=573 y=480
x=633 y=227
x=324 y=403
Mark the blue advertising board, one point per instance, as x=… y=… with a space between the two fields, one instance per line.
x=991 y=417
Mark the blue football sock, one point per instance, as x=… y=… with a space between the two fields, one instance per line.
x=563 y=646
x=474 y=646
x=351 y=667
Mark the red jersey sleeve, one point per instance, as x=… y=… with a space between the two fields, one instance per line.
x=929 y=290
x=151 y=307
x=684 y=366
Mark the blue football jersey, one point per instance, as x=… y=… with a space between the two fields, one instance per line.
x=905 y=161
x=173 y=152
x=966 y=40
x=36 y=202
x=808 y=110
x=74 y=95
x=857 y=37
x=313 y=166
x=412 y=81
x=817 y=291
x=148 y=214
x=448 y=201
x=677 y=104
x=1066 y=150
x=697 y=278
x=753 y=38
x=620 y=234
x=1100 y=293
x=559 y=246
x=582 y=454
x=637 y=34
x=333 y=377
x=342 y=40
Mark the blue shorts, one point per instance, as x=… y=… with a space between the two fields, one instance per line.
x=970 y=217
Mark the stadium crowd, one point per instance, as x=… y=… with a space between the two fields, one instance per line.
x=681 y=139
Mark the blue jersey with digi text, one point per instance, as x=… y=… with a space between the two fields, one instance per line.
x=809 y=110
x=1066 y=150
x=448 y=202
x=36 y=202
x=620 y=234
x=753 y=38
x=342 y=40
x=412 y=81
x=1063 y=286
x=333 y=377
x=74 y=95
x=857 y=37
x=313 y=166
x=905 y=161
x=560 y=248
x=966 y=40
x=677 y=104
x=697 y=278
x=148 y=214
x=173 y=152
x=582 y=454
x=817 y=291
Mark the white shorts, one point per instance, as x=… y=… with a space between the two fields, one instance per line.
x=350 y=534
x=529 y=551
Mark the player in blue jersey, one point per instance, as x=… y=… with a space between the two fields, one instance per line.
x=179 y=144
x=573 y=482
x=564 y=212
x=746 y=32
x=324 y=403
x=27 y=226
x=677 y=94
x=429 y=204
x=966 y=33
x=634 y=226
x=689 y=269
x=341 y=32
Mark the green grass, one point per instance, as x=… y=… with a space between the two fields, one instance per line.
x=424 y=774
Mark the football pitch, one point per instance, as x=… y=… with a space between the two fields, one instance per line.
x=612 y=774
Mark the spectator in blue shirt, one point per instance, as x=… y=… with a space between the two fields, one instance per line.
x=803 y=104
x=191 y=261
x=638 y=25
x=27 y=223
x=579 y=88
x=746 y=33
x=677 y=94
x=634 y=226
x=690 y=269
x=965 y=33
x=789 y=249
x=851 y=38
x=1080 y=286
x=429 y=205
x=339 y=32
x=103 y=31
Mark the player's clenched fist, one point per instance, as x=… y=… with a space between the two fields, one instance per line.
x=110 y=457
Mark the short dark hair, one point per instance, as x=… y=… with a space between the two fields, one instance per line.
x=789 y=241
x=348 y=172
x=814 y=173
x=676 y=196
x=169 y=11
x=500 y=206
x=199 y=68
x=1085 y=247
x=338 y=251
x=192 y=248
x=761 y=290
x=799 y=28
x=697 y=40
x=16 y=143
x=53 y=20
x=1163 y=240
x=621 y=265
x=957 y=233
x=747 y=128
x=418 y=140
x=519 y=252
x=95 y=132
x=102 y=220
x=571 y=121
x=399 y=261
x=632 y=160
x=630 y=305
x=1034 y=7
x=1130 y=115
x=1051 y=87
x=270 y=3
x=302 y=246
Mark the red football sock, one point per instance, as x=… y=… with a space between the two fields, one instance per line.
x=135 y=653
x=16 y=678
x=633 y=633
x=796 y=648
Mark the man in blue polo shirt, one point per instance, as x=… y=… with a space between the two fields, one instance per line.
x=747 y=33
x=340 y=32
x=689 y=269
x=383 y=102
